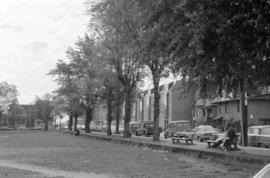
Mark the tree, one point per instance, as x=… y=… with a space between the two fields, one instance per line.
x=112 y=95
x=59 y=109
x=8 y=96
x=44 y=110
x=228 y=48
x=68 y=90
x=156 y=28
x=86 y=67
x=118 y=39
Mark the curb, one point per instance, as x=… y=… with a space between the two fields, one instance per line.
x=212 y=154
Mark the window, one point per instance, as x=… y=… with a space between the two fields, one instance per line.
x=265 y=131
x=204 y=112
x=219 y=109
x=20 y=121
x=226 y=108
x=265 y=121
x=196 y=112
x=256 y=131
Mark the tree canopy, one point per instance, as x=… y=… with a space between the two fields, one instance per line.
x=8 y=95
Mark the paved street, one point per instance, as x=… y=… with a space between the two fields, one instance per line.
x=38 y=154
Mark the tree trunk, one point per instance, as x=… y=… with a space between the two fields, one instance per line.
x=156 y=79
x=109 y=113
x=88 y=118
x=109 y=122
x=244 y=114
x=70 y=122
x=75 y=122
x=60 y=124
x=46 y=126
x=118 y=116
x=128 y=106
x=1 y=112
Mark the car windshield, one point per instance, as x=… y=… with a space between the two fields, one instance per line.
x=253 y=131
x=148 y=125
x=136 y=125
x=205 y=129
x=266 y=131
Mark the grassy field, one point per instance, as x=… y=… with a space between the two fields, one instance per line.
x=52 y=154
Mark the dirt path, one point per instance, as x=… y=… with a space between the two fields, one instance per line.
x=68 y=156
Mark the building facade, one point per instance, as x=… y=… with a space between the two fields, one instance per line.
x=225 y=110
x=175 y=103
x=19 y=116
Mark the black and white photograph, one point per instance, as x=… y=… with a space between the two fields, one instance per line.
x=134 y=88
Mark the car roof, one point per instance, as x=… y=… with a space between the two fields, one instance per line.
x=259 y=126
x=147 y=122
x=204 y=126
x=179 y=121
x=134 y=123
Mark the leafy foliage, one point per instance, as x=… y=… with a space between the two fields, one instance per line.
x=44 y=110
x=8 y=95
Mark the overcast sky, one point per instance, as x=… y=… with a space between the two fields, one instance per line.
x=34 y=34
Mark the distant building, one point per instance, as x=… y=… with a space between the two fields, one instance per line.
x=180 y=102
x=175 y=103
x=219 y=112
x=19 y=116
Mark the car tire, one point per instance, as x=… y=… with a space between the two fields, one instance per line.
x=200 y=139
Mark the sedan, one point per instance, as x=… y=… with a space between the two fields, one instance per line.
x=205 y=132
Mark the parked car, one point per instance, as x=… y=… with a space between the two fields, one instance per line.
x=38 y=127
x=177 y=127
x=146 y=128
x=5 y=128
x=81 y=126
x=259 y=136
x=205 y=132
x=22 y=127
x=134 y=126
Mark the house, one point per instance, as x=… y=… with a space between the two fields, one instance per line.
x=205 y=112
x=19 y=115
x=226 y=109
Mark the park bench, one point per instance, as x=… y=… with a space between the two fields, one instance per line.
x=233 y=143
x=187 y=139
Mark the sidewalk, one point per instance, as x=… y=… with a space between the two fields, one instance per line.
x=250 y=155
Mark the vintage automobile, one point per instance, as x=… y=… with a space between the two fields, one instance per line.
x=134 y=126
x=176 y=127
x=5 y=128
x=146 y=128
x=205 y=132
x=259 y=136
